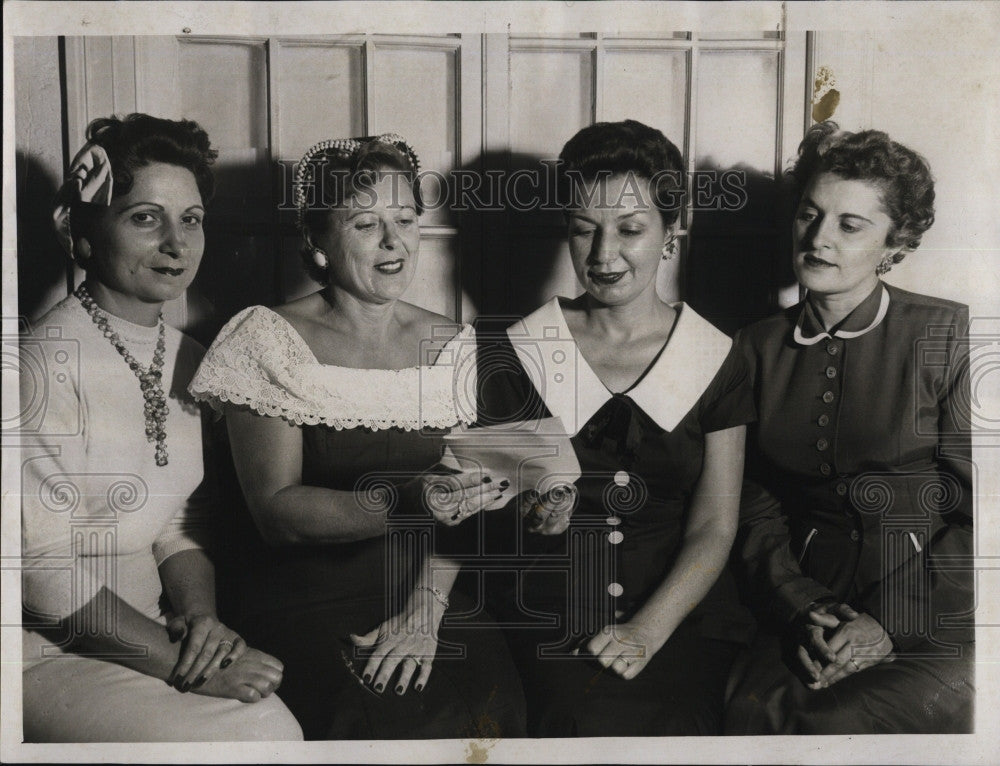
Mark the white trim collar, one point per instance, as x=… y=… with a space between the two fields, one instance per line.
x=802 y=340
x=572 y=391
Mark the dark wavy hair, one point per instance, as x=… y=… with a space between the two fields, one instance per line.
x=341 y=176
x=138 y=140
x=903 y=176
x=614 y=148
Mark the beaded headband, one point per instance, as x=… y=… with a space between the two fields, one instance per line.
x=343 y=147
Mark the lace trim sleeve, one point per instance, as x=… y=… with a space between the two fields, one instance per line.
x=247 y=361
x=260 y=362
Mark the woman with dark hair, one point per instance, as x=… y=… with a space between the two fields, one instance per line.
x=336 y=406
x=119 y=593
x=626 y=620
x=856 y=522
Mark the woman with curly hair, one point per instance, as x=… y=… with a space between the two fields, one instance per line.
x=122 y=642
x=856 y=520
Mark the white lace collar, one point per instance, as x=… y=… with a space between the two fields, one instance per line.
x=572 y=391
x=259 y=361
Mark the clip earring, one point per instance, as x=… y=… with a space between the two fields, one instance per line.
x=669 y=249
x=884 y=266
x=320 y=259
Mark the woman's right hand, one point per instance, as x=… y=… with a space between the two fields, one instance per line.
x=453 y=497
x=250 y=678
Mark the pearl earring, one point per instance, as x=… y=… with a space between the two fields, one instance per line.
x=320 y=259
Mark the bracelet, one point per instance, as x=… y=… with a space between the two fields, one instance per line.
x=440 y=596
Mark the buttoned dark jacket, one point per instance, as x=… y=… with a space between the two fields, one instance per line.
x=859 y=475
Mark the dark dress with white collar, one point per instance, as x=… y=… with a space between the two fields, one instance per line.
x=859 y=490
x=641 y=454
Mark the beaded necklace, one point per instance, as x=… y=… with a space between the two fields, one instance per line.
x=150 y=378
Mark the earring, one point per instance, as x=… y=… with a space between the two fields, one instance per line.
x=884 y=265
x=669 y=249
x=320 y=259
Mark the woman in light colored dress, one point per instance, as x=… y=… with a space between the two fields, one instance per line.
x=121 y=639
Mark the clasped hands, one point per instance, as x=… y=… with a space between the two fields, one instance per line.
x=215 y=661
x=838 y=641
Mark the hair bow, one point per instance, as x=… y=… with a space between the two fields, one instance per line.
x=89 y=180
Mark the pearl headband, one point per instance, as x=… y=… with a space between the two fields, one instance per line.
x=342 y=147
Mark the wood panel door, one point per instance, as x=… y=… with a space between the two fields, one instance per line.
x=264 y=101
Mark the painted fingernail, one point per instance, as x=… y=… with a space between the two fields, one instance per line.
x=487 y=480
x=185 y=686
x=504 y=484
x=225 y=663
x=379 y=688
x=419 y=687
x=198 y=682
x=399 y=689
x=367 y=677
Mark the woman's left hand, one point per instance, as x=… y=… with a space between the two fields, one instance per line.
x=209 y=646
x=859 y=642
x=407 y=642
x=625 y=648
x=551 y=513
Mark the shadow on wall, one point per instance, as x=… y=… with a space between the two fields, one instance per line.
x=242 y=236
x=42 y=265
x=739 y=255
x=513 y=251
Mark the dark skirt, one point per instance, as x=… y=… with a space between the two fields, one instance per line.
x=913 y=694
x=319 y=596
x=679 y=693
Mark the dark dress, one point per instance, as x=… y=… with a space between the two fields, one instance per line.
x=301 y=603
x=859 y=490
x=641 y=455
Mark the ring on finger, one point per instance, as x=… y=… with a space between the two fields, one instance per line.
x=226 y=643
x=416 y=660
x=855 y=664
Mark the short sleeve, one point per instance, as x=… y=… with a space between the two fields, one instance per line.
x=248 y=363
x=728 y=400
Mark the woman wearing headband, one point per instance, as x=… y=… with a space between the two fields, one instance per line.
x=122 y=642
x=336 y=404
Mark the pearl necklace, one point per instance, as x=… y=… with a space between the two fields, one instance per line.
x=150 y=378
